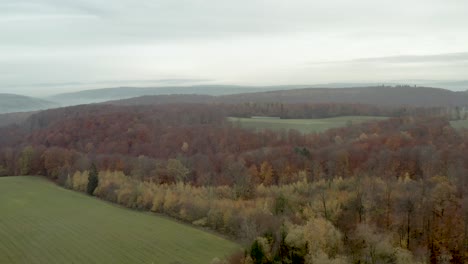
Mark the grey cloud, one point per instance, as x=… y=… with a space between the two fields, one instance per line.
x=450 y=57
x=240 y=41
x=41 y=8
x=133 y=21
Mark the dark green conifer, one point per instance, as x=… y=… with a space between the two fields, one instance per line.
x=93 y=180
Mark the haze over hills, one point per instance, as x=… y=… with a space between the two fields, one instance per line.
x=17 y=103
x=107 y=94
x=11 y=103
x=378 y=95
x=388 y=96
x=459 y=85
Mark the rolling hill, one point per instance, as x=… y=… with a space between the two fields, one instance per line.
x=10 y=103
x=388 y=96
x=107 y=94
x=383 y=96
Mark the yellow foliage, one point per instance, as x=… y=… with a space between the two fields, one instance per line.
x=322 y=258
x=80 y=181
x=322 y=236
x=170 y=201
x=266 y=173
x=158 y=200
x=295 y=236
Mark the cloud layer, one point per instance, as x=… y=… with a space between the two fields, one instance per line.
x=242 y=42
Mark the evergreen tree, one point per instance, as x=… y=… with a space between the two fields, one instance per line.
x=256 y=253
x=93 y=180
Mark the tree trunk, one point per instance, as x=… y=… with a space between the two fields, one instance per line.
x=324 y=203
x=408 y=230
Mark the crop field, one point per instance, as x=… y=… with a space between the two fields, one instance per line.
x=302 y=125
x=43 y=223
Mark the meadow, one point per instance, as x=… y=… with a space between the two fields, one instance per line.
x=459 y=124
x=301 y=125
x=43 y=223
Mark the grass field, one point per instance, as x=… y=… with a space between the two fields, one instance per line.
x=459 y=124
x=43 y=223
x=302 y=125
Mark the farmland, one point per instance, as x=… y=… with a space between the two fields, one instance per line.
x=43 y=223
x=302 y=125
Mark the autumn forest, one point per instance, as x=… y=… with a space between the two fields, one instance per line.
x=388 y=191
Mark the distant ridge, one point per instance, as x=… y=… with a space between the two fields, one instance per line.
x=126 y=92
x=108 y=94
x=10 y=103
x=378 y=95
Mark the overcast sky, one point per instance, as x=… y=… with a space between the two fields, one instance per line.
x=51 y=46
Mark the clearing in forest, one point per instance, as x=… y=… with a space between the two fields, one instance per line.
x=301 y=125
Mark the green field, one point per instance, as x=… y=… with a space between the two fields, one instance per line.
x=459 y=124
x=302 y=125
x=43 y=223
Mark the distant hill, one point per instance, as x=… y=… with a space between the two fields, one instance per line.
x=166 y=99
x=338 y=92
x=389 y=96
x=375 y=95
x=451 y=85
x=454 y=85
x=108 y=94
x=386 y=96
x=10 y=103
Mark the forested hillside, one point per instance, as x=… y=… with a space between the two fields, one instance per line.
x=387 y=96
x=17 y=118
x=106 y=94
x=387 y=191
